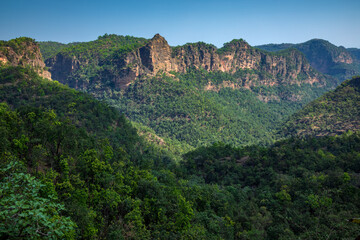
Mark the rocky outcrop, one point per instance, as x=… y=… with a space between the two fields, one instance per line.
x=236 y=57
x=24 y=52
x=268 y=69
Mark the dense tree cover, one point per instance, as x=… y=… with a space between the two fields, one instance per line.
x=333 y=113
x=297 y=189
x=50 y=49
x=96 y=62
x=24 y=212
x=72 y=167
x=173 y=147
x=100 y=180
x=103 y=190
x=89 y=158
x=185 y=108
x=103 y=47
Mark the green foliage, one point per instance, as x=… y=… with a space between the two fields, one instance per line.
x=183 y=109
x=50 y=49
x=229 y=46
x=189 y=48
x=196 y=108
x=301 y=188
x=27 y=210
x=18 y=51
x=103 y=47
x=96 y=62
x=88 y=155
x=17 y=44
x=74 y=160
x=335 y=112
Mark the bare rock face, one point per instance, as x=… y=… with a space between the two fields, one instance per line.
x=26 y=53
x=157 y=56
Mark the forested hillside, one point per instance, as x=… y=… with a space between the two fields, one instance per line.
x=201 y=107
x=73 y=167
x=334 y=113
x=88 y=162
x=98 y=179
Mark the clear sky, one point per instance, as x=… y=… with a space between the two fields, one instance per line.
x=216 y=22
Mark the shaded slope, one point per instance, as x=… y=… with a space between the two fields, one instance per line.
x=200 y=107
x=298 y=188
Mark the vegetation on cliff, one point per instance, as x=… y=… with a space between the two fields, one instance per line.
x=23 y=51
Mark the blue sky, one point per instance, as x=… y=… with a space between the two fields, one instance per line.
x=216 y=22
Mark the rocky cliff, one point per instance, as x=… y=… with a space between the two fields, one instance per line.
x=24 y=52
x=253 y=66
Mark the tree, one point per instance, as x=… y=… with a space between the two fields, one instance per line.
x=26 y=210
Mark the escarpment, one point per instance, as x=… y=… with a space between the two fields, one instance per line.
x=253 y=67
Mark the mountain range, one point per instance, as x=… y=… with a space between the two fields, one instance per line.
x=325 y=57
x=236 y=87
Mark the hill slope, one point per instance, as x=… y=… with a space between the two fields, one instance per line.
x=77 y=168
x=200 y=107
x=334 y=113
x=297 y=189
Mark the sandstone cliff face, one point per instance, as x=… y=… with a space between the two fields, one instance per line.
x=157 y=56
x=24 y=53
x=238 y=55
